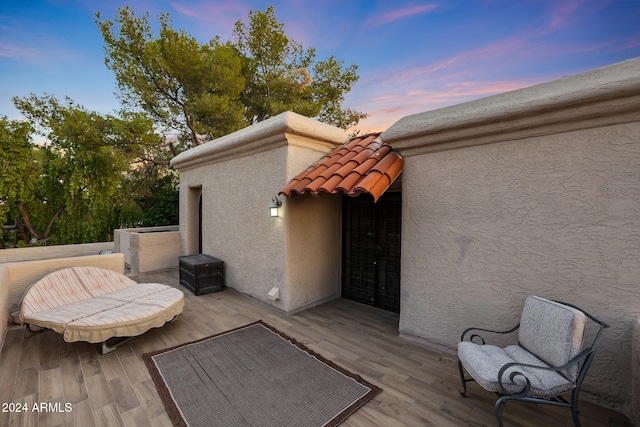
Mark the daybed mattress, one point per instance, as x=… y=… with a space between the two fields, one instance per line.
x=101 y=304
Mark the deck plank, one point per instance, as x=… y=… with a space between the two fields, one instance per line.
x=420 y=385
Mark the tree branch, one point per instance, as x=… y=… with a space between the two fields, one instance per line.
x=27 y=221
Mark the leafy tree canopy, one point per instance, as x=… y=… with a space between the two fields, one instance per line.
x=78 y=188
x=204 y=91
x=18 y=171
x=282 y=76
x=183 y=85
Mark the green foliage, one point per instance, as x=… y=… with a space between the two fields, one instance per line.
x=204 y=91
x=282 y=76
x=161 y=206
x=82 y=169
x=184 y=86
x=100 y=172
x=18 y=170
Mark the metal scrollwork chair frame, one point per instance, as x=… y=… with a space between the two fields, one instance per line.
x=514 y=374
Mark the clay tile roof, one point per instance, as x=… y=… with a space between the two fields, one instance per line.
x=363 y=165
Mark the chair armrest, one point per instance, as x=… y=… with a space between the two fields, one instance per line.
x=525 y=390
x=474 y=336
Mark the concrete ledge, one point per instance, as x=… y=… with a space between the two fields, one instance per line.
x=260 y=137
x=149 y=249
x=51 y=252
x=601 y=97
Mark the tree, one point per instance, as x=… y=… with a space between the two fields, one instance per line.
x=282 y=76
x=160 y=206
x=79 y=187
x=204 y=91
x=18 y=170
x=184 y=86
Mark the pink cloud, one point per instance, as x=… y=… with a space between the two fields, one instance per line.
x=394 y=15
x=14 y=51
x=206 y=11
x=561 y=14
x=215 y=15
x=418 y=95
x=628 y=43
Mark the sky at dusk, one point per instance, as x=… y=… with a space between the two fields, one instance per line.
x=412 y=56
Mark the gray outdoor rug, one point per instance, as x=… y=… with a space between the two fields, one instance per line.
x=254 y=376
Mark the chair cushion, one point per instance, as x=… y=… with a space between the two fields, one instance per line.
x=483 y=363
x=553 y=332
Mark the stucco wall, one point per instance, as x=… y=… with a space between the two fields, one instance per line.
x=238 y=175
x=532 y=192
x=51 y=252
x=236 y=225
x=4 y=304
x=313 y=249
x=149 y=249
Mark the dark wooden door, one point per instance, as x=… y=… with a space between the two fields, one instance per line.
x=371 y=250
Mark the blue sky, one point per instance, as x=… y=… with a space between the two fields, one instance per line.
x=413 y=56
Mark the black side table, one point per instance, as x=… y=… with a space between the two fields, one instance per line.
x=201 y=273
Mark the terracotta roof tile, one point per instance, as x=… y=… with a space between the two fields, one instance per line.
x=349 y=182
x=364 y=164
x=313 y=172
x=314 y=186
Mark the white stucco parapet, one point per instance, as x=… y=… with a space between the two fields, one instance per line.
x=601 y=97
x=268 y=134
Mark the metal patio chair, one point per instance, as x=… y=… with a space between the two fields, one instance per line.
x=548 y=361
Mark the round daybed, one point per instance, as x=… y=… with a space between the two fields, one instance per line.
x=94 y=304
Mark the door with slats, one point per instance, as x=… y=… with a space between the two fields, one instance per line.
x=371 y=250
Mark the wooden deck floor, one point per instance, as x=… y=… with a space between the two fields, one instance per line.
x=420 y=386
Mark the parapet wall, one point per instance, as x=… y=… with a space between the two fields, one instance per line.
x=51 y=252
x=149 y=249
x=535 y=191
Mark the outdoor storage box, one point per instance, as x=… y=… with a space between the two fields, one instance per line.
x=201 y=273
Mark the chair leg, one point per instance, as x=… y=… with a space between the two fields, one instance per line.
x=498 y=410
x=106 y=348
x=464 y=381
x=28 y=332
x=576 y=414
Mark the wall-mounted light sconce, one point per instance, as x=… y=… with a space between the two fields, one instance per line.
x=274 y=207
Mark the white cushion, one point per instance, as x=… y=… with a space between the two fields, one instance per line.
x=483 y=363
x=553 y=332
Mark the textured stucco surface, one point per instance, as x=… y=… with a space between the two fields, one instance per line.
x=149 y=249
x=557 y=217
x=531 y=192
x=236 y=225
x=313 y=249
x=4 y=304
x=237 y=185
x=52 y=252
